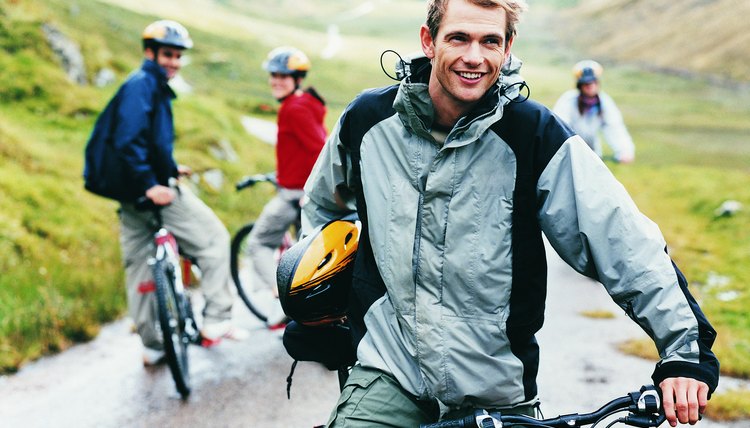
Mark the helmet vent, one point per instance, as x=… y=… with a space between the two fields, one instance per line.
x=325 y=260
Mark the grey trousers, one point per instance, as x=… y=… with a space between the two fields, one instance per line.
x=200 y=234
x=268 y=233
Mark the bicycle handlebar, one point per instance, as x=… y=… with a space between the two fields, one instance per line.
x=250 y=180
x=143 y=203
x=643 y=407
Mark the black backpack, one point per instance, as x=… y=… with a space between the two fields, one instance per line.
x=104 y=172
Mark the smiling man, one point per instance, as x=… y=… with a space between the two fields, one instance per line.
x=455 y=176
x=138 y=127
x=467 y=51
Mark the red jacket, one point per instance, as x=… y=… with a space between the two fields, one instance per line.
x=301 y=136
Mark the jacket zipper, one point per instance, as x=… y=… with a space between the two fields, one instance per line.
x=417 y=240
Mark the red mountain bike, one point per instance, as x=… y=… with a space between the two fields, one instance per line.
x=176 y=321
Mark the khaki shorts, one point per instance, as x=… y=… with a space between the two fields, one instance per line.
x=373 y=399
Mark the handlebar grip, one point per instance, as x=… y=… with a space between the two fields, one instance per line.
x=468 y=421
x=453 y=423
x=245 y=182
x=251 y=180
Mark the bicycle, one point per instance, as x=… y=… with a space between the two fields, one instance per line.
x=178 y=326
x=643 y=409
x=258 y=300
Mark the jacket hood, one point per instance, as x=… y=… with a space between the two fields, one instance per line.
x=415 y=108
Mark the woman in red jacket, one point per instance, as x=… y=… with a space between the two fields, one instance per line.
x=301 y=135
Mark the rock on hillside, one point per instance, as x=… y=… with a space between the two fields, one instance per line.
x=704 y=36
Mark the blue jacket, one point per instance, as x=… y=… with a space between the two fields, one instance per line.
x=143 y=134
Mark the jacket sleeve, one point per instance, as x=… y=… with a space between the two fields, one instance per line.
x=132 y=135
x=329 y=189
x=614 y=130
x=593 y=224
x=565 y=105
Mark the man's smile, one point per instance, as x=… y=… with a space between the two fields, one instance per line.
x=470 y=75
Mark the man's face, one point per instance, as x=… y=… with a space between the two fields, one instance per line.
x=590 y=89
x=282 y=85
x=467 y=54
x=168 y=58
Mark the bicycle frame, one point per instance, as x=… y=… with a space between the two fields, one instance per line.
x=166 y=249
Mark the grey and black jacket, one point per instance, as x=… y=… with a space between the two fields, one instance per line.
x=450 y=276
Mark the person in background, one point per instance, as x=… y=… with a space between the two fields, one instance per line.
x=143 y=137
x=301 y=135
x=455 y=176
x=590 y=111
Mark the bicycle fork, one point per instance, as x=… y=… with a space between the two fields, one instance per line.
x=166 y=249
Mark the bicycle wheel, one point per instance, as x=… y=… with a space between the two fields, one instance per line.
x=173 y=319
x=260 y=300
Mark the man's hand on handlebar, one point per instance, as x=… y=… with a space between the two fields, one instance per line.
x=184 y=171
x=683 y=399
x=161 y=195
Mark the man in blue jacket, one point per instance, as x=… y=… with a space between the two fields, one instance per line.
x=142 y=133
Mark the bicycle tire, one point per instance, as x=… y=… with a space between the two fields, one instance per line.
x=244 y=288
x=172 y=319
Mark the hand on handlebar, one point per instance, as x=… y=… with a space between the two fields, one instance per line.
x=184 y=171
x=642 y=407
x=683 y=399
x=161 y=195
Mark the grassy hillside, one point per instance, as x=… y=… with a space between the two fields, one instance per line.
x=707 y=37
x=60 y=274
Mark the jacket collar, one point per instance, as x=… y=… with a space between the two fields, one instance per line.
x=416 y=111
x=153 y=69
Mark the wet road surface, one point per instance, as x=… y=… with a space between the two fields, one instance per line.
x=243 y=384
x=104 y=384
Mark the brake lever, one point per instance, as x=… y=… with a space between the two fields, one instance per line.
x=643 y=421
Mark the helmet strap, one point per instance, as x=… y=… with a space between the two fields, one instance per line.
x=153 y=47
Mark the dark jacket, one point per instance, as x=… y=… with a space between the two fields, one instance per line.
x=143 y=133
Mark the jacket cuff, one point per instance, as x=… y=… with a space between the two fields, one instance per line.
x=706 y=371
x=146 y=181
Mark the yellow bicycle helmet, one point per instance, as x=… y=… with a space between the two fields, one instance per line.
x=287 y=60
x=587 y=71
x=314 y=276
x=167 y=33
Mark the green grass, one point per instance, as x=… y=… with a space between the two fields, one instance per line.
x=598 y=314
x=729 y=406
x=61 y=275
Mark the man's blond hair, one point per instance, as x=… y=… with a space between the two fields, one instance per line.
x=513 y=10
